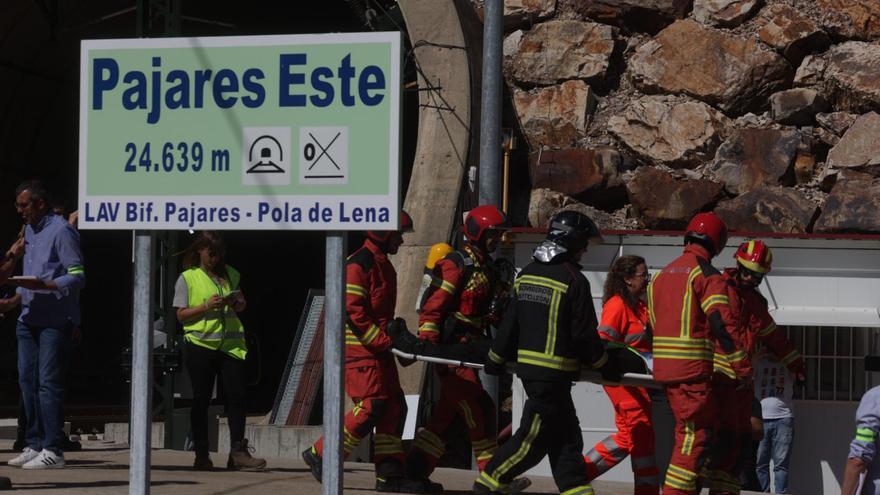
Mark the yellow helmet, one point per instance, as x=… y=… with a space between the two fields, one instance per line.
x=437 y=252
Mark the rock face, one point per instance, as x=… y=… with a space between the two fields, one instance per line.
x=521 y=12
x=570 y=171
x=544 y=203
x=768 y=209
x=791 y=33
x=856 y=19
x=663 y=202
x=639 y=15
x=554 y=116
x=674 y=132
x=750 y=158
x=859 y=148
x=848 y=75
x=853 y=206
x=556 y=51
x=735 y=74
x=836 y=122
x=796 y=106
x=724 y=13
x=652 y=110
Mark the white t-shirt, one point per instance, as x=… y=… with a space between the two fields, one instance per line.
x=774 y=387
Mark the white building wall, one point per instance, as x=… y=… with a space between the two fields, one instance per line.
x=814 y=282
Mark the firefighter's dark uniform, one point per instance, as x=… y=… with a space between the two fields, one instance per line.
x=459 y=301
x=734 y=401
x=370 y=371
x=549 y=329
x=689 y=309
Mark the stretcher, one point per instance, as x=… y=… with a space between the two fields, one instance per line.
x=631 y=379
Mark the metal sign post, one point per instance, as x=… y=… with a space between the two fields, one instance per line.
x=140 y=427
x=334 y=325
x=490 y=131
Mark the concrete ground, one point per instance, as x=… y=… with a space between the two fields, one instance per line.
x=102 y=468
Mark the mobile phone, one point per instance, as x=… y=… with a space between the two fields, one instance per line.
x=872 y=363
x=232 y=294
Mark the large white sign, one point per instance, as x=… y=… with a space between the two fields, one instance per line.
x=261 y=132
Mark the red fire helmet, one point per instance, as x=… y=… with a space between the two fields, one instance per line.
x=406 y=225
x=481 y=219
x=754 y=255
x=708 y=230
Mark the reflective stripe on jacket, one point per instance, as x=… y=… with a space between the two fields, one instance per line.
x=751 y=310
x=549 y=327
x=623 y=325
x=370 y=299
x=220 y=328
x=462 y=286
x=689 y=311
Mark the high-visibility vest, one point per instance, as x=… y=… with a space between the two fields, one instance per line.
x=220 y=328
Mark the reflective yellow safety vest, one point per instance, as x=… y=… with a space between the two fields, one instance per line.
x=218 y=329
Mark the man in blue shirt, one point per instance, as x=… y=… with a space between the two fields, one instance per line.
x=49 y=294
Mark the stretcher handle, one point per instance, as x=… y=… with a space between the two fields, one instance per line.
x=630 y=379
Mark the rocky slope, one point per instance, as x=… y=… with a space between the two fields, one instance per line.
x=644 y=112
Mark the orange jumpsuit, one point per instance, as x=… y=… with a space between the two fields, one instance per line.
x=370 y=371
x=689 y=312
x=632 y=405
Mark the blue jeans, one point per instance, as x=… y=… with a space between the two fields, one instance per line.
x=43 y=354
x=776 y=444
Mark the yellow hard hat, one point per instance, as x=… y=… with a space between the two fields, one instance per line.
x=437 y=252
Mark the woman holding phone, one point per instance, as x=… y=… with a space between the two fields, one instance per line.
x=208 y=298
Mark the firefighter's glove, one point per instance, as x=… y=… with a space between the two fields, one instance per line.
x=611 y=371
x=493 y=368
x=402 y=339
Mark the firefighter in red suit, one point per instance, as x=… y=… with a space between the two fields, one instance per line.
x=753 y=262
x=456 y=309
x=624 y=323
x=371 y=379
x=689 y=311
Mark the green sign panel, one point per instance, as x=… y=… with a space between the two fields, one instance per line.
x=264 y=132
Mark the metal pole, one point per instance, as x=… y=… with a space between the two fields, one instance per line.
x=141 y=365
x=490 y=103
x=490 y=128
x=170 y=318
x=334 y=318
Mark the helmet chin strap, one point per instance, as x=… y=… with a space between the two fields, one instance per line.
x=749 y=285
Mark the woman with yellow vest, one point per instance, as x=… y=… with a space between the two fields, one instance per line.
x=207 y=298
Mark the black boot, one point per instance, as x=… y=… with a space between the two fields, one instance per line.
x=513 y=488
x=314 y=462
x=406 y=485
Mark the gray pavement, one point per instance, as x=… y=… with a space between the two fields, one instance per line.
x=102 y=468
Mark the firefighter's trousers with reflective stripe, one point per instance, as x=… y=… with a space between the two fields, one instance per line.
x=550 y=427
x=693 y=408
x=634 y=438
x=729 y=452
x=379 y=403
x=461 y=394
